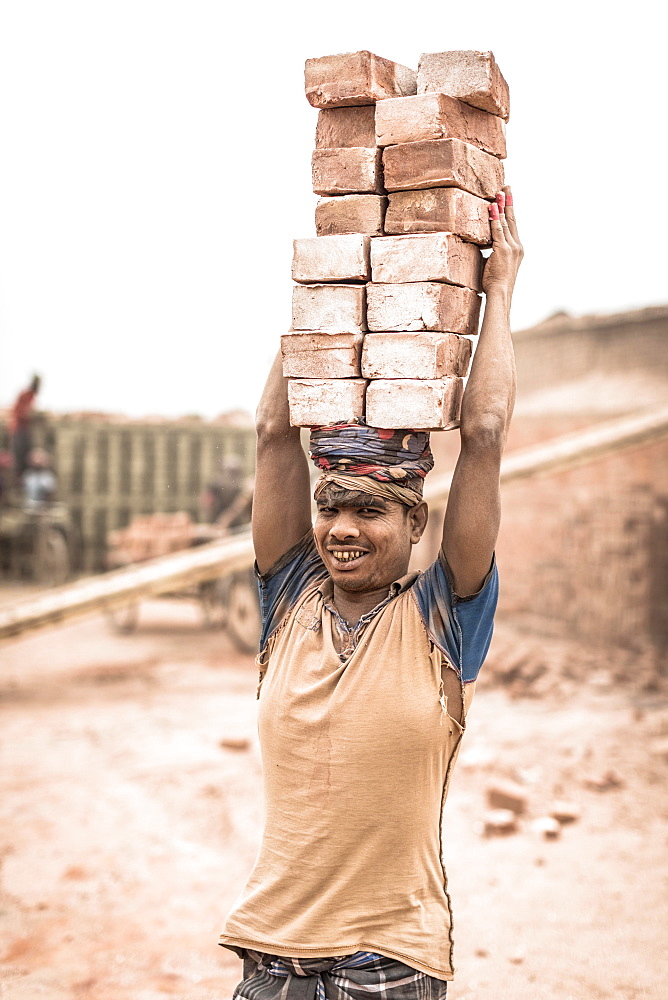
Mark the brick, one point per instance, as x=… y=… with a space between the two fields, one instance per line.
x=565 y=812
x=425 y=355
x=425 y=257
x=604 y=781
x=425 y=404
x=351 y=213
x=471 y=76
x=234 y=743
x=315 y=354
x=442 y=163
x=422 y=305
x=325 y=401
x=346 y=127
x=547 y=827
x=439 y=210
x=330 y=308
x=499 y=822
x=507 y=795
x=331 y=258
x=437 y=116
x=355 y=78
x=347 y=171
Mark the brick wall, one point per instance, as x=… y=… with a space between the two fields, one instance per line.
x=584 y=553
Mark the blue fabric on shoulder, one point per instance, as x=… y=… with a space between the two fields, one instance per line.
x=460 y=626
x=299 y=569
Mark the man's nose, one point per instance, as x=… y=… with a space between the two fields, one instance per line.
x=344 y=527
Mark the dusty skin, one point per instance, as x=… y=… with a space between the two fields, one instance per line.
x=127 y=827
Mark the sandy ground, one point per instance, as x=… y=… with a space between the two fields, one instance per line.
x=127 y=828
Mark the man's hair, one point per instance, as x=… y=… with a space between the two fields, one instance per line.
x=338 y=496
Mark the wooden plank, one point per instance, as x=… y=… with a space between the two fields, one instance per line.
x=156 y=576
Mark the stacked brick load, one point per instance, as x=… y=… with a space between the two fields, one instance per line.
x=387 y=294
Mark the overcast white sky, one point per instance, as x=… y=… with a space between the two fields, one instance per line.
x=155 y=167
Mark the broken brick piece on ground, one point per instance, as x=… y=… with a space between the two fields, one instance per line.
x=346 y=127
x=565 y=812
x=442 y=163
x=331 y=308
x=422 y=355
x=351 y=213
x=499 y=822
x=425 y=257
x=422 y=305
x=547 y=827
x=316 y=354
x=355 y=78
x=331 y=258
x=439 y=210
x=425 y=404
x=325 y=401
x=437 y=116
x=355 y=170
x=471 y=76
x=502 y=794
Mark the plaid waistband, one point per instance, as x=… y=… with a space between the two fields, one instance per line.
x=330 y=979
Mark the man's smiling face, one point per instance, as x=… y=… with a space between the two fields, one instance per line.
x=364 y=540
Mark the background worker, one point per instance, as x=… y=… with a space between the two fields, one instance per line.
x=20 y=429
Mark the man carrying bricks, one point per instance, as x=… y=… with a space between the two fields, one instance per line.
x=367 y=672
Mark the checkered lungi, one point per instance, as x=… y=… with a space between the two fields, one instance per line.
x=344 y=977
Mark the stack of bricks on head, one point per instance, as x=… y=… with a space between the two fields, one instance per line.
x=387 y=295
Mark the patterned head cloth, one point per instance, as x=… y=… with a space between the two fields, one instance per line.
x=387 y=463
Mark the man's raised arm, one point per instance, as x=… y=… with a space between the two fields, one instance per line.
x=282 y=501
x=474 y=506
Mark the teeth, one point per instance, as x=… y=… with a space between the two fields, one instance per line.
x=347 y=555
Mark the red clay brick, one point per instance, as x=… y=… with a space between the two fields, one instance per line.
x=331 y=258
x=427 y=404
x=331 y=308
x=350 y=213
x=316 y=354
x=411 y=166
x=355 y=78
x=347 y=171
x=426 y=257
x=471 y=76
x=437 y=116
x=346 y=127
x=422 y=355
x=423 y=305
x=325 y=401
x=439 y=210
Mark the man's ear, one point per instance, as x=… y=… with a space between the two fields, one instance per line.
x=418 y=517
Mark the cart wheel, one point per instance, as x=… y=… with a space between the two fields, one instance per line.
x=53 y=564
x=243 y=614
x=213 y=598
x=124 y=618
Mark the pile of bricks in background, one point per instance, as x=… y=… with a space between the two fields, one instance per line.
x=150 y=535
x=387 y=293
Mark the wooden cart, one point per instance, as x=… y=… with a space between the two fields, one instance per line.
x=229 y=602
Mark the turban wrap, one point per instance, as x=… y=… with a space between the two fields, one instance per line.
x=387 y=463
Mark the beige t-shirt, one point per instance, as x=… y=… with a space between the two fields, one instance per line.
x=357 y=756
